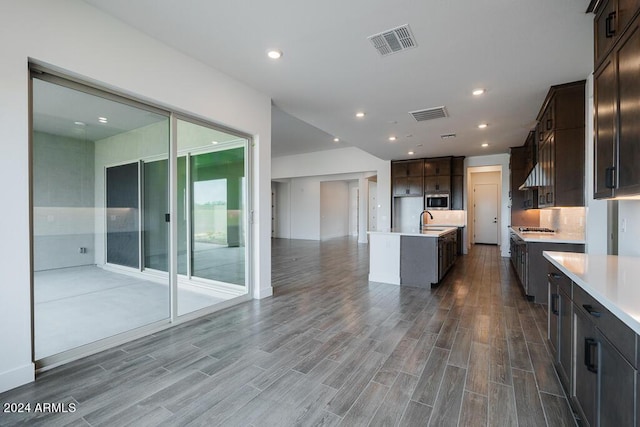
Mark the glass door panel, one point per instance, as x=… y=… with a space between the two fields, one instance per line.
x=156 y=206
x=212 y=216
x=123 y=228
x=91 y=154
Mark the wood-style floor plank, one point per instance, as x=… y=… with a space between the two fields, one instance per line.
x=328 y=348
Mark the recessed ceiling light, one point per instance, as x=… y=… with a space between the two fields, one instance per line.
x=482 y=125
x=359 y=114
x=478 y=92
x=274 y=54
x=214 y=142
x=411 y=153
x=392 y=138
x=102 y=119
x=336 y=139
x=485 y=145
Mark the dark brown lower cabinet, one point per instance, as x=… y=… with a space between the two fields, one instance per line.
x=561 y=324
x=605 y=381
x=594 y=354
x=565 y=338
x=586 y=383
x=616 y=386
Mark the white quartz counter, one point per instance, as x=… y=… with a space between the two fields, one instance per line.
x=612 y=280
x=550 y=237
x=428 y=231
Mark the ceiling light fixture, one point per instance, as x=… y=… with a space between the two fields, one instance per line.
x=482 y=125
x=214 y=142
x=274 y=54
x=478 y=92
x=359 y=114
x=392 y=138
x=411 y=153
x=485 y=145
x=336 y=139
x=103 y=119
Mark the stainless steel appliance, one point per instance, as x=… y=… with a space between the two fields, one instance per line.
x=436 y=201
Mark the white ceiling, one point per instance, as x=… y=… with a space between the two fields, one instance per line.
x=515 y=49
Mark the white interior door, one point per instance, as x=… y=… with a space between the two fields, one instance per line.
x=485 y=208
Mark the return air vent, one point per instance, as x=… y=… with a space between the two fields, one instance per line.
x=393 y=40
x=448 y=136
x=429 y=114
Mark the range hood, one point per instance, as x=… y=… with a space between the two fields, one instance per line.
x=533 y=179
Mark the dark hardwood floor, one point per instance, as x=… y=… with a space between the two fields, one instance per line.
x=329 y=348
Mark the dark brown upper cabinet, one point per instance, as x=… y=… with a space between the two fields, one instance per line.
x=617 y=104
x=611 y=21
x=560 y=139
x=415 y=178
x=407 y=178
x=437 y=167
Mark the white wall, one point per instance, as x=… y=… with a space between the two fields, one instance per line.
x=70 y=35
x=497 y=162
x=342 y=161
x=629 y=227
x=283 y=208
x=334 y=209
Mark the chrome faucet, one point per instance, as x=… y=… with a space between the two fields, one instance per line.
x=422 y=215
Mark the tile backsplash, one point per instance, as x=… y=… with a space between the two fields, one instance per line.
x=564 y=220
x=447 y=217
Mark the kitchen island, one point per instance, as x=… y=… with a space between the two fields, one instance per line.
x=418 y=258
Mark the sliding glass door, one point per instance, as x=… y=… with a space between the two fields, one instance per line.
x=102 y=170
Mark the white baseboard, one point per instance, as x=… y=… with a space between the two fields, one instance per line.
x=17 y=377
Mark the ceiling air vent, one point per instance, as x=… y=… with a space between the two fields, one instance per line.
x=448 y=136
x=429 y=114
x=393 y=40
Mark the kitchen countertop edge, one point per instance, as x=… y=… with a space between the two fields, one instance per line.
x=417 y=233
x=548 y=237
x=616 y=267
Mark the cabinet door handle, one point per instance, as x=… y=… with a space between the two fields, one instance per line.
x=609 y=30
x=549 y=124
x=554 y=276
x=592 y=311
x=610 y=177
x=554 y=304
x=591 y=354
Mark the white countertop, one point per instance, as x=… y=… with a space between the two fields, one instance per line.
x=428 y=231
x=558 y=237
x=612 y=280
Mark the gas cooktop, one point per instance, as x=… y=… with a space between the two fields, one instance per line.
x=536 y=230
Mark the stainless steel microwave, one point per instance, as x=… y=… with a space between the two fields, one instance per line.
x=436 y=201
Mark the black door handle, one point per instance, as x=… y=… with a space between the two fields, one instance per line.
x=591 y=310
x=609 y=177
x=554 y=304
x=591 y=354
x=609 y=31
